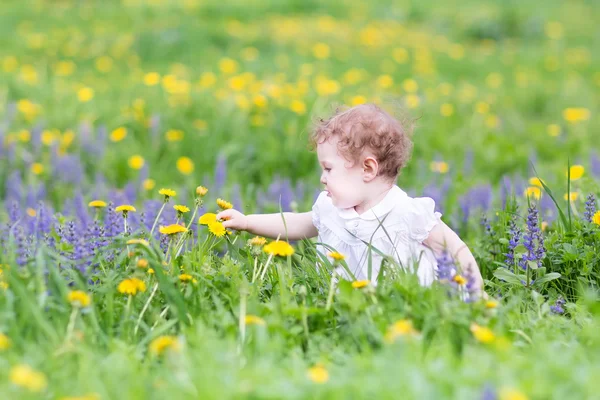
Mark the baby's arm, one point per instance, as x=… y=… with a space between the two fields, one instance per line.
x=299 y=225
x=443 y=238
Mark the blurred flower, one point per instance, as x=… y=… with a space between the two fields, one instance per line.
x=573 y=196
x=118 y=134
x=207 y=218
x=279 y=248
x=151 y=79
x=511 y=394
x=186 y=278
x=5 y=342
x=185 y=165
x=104 y=64
x=172 y=229
x=321 y=51
x=216 y=228
x=459 y=279
x=337 y=256
x=97 y=204
x=26 y=377
x=91 y=396
x=257 y=241
x=138 y=241
x=298 y=106
x=360 y=284
x=318 y=374
x=201 y=191
x=164 y=343
x=79 y=298
x=575 y=115
x=447 y=110
x=142 y=263
x=536 y=182
x=85 y=94
x=576 y=172
x=410 y=86
x=37 y=168
x=228 y=66
x=491 y=304
x=136 y=161
x=533 y=192
x=403 y=327
x=482 y=334
x=224 y=205
x=557 y=308
x=168 y=193
x=385 y=81
x=553 y=130
x=440 y=167
x=174 y=135
x=254 y=320
x=149 y=184
x=131 y=286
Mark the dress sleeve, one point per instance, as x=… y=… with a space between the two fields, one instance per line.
x=422 y=218
x=317 y=208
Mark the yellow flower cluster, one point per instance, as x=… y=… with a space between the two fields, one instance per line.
x=482 y=334
x=28 y=378
x=172 y=229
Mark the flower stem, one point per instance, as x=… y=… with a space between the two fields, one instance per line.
x=157 y=217
x=71 y=325
x=139 y=320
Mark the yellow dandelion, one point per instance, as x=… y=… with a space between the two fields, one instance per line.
x=461 y=280
x=360 y=284
x=298 y=107
x=136 y=162
x=142 y=263
x=131 y=286
x=482 y=334
x=185 y=278
x=217 y=229
x=596 y=218
x=181 y=209
x=125 y=208
x=533 y=192
x=164 y=343
x=318 y=374
x=207 y=218
x=172 y=229
x=150 y=271
x=403 y=327
x=536 y=182
x=224 y=205
x=31 y=212
x=321 y=51
x=441 y=167
x=26 y=377
x=118 y=134
x=168 y=193
x=447 y=110
x=85 y=94
x=257 y=241
x=553 y=130
x=97 y=204
x=576 y=114
x=279 y=248
x=5 y=342
x=337 y=256
x=201 y=191
x=254 y=320
x=577 y=172
x=79 y=298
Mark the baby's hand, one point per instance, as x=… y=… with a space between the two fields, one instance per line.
x=233 y=219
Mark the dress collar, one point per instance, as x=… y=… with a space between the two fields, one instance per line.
x=391 y=199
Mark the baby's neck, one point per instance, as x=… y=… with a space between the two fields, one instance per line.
x=377 y=193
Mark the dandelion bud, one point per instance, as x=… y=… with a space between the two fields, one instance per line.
x=201 y=191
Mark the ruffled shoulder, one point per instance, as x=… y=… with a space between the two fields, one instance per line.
x=420 y=216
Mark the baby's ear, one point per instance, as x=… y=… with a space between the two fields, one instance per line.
x=370 y=169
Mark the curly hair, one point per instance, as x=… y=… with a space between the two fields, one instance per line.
x=367 y=126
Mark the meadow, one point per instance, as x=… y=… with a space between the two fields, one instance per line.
x=125 y=125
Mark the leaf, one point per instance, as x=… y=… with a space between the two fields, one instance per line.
x=532 y=264
x=547 y=278
x=506 y=275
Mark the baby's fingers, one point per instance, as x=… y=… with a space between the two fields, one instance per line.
x=223 y=215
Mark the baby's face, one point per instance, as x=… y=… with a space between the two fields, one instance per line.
x=343 y=180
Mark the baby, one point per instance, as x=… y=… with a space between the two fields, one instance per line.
x=361 y=151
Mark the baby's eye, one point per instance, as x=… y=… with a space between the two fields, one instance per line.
x=327 y=169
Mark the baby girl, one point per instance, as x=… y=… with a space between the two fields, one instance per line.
x=361 y=152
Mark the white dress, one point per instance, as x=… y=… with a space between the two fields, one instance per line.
x=406 y=224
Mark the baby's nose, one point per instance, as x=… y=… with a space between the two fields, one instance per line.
x=323 y=181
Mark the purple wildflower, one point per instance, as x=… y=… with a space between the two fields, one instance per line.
x=590 y=207
x=532 y=240
x=514 y=234
x=557 y=308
